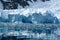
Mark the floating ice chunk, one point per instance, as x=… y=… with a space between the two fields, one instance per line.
x=42 y=35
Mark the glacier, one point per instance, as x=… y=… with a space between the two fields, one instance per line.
x=34 y=7
x=52 y=5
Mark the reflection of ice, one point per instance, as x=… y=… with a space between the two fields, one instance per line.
x=57 y=31
x=41 y=31
x=13 y=33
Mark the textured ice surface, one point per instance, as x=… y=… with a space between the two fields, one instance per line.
x=1 y=6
